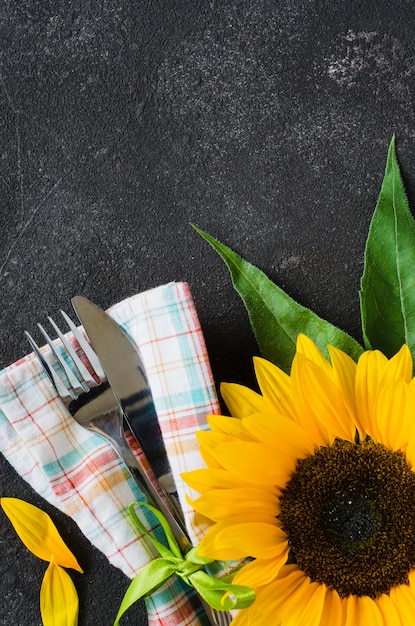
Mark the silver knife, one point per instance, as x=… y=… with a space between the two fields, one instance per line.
x=125 y=372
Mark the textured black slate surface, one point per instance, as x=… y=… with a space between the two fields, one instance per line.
x=264 y=122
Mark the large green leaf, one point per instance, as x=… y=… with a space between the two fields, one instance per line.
x=275 y=317
x=387 y=293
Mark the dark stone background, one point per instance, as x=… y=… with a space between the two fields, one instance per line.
x=265 y=122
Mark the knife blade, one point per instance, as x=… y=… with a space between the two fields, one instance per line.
x=125 y=372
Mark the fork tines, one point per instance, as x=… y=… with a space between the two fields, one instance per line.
x=78 y=376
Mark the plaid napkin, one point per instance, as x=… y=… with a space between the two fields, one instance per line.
x=78 y=472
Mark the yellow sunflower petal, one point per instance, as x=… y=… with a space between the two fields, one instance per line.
x=305 y=605
x=228 y=425
x=281 y=433
x=370 y=369
x=361 y=611
x=220 y=504
x=403 y=598
x=212 y=439
x=260 y=571
x=304 y=417
x=293 y=599
x=257 y=536
x=322 y=404
x=202 y=480
x=343 y=375
x=265 y=610
x=399 y=366
x=199 y=520
x=260 y=540
x=208 y=442
x=328 y=403
x=388 y=610
x=307 y=348
x=275 y=386
x=254 y=462
x=58 y=598
x=333 y=613
x=374 y=371
x=281 y=592
x=242 y=401
x=38 y=533
x=395 y=415
x=207 y=455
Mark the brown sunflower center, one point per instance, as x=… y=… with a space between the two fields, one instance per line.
x=349 y=513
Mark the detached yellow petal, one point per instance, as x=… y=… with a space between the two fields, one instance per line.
x=38 y=533
x=59 y=603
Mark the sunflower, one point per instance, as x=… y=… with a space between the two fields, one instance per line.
x=312 y=484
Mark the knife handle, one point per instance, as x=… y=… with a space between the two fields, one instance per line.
x=140 y=418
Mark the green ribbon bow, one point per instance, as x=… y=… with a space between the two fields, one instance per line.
x=219 y=593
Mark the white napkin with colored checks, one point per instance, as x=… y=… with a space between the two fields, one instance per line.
x=78 y=472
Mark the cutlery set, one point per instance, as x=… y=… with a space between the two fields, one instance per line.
x=107 y=392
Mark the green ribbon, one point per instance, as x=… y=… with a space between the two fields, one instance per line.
x=219 y=593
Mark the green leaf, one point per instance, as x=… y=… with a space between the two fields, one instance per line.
x=275 y=317
x=387 y=295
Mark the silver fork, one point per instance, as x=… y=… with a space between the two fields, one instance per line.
x=92 y=403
